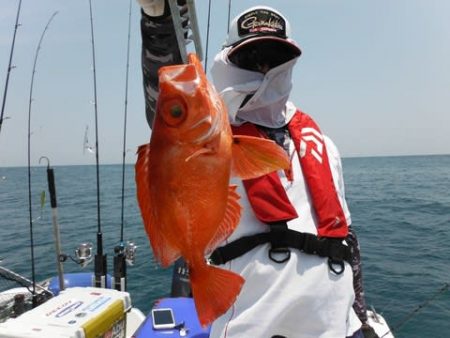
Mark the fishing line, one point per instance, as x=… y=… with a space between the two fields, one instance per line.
x=100 y=258
x=9 y=65
x=29 y=157
x=421 y=306
x=207 y=35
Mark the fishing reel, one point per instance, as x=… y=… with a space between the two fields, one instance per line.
x=124 y=255
x=83 y=255
x=128 y=251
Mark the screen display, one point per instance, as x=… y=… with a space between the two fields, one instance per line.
x=163 y=317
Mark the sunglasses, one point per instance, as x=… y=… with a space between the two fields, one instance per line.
x=261 y=55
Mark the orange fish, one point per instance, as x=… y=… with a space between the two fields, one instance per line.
x=182 y=176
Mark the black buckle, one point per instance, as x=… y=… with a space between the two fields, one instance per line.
x=333 y=263
x=278 y=243
x=279 y=251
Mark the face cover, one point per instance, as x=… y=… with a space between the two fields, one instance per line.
x=268 y=105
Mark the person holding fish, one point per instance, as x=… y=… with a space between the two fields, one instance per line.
x=271 y=254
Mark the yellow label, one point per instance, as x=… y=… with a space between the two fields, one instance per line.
x=105 y=323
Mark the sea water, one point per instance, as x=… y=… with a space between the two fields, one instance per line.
x=400 y=210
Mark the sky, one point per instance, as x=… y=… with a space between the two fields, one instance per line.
x=375 y=75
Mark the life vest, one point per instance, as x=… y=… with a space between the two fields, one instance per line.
x=271 y=204
x=268 y=197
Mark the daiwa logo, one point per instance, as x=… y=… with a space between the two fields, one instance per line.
x=314 y=139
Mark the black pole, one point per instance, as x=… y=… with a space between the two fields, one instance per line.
x=120 y=269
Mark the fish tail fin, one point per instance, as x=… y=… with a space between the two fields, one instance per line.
x=254 y=157
x=215 y=290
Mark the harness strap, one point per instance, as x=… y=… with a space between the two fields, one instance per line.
x=281 y=239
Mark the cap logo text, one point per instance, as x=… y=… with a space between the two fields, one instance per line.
x=253 y=24
x=261 y=21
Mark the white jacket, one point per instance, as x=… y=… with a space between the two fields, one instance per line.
x=301 y=298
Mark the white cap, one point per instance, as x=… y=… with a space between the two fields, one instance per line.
x=260 y=23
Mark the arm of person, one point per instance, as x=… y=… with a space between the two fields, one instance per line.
x=159 y=48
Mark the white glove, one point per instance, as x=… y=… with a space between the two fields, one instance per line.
x=152 y=7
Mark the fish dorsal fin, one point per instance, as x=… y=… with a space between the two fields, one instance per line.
x=230 y=220
x=254 y=157
x=162 y=250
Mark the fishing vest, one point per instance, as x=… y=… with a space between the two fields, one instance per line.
x=271 y=204
x=267 y=196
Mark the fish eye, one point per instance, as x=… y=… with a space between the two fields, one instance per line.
x=173 y=112
x=176 y=111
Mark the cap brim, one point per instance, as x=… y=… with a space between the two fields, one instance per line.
x=289 y=44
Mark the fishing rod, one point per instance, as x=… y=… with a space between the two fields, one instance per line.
x=445 y=287
x=207 y=35
x=33 y=274
x=186 y=27
x=229 y=13
x=120 y=266
x=100 y=258
x=10 y=67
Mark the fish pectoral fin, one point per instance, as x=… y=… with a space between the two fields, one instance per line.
x=163 y=252
x=198 y=153
x=229 y=222
x=254 y=157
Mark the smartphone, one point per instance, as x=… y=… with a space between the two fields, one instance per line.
x=163 y=319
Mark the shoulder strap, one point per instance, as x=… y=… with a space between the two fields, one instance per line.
x=266 y=194
x=310 y=146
